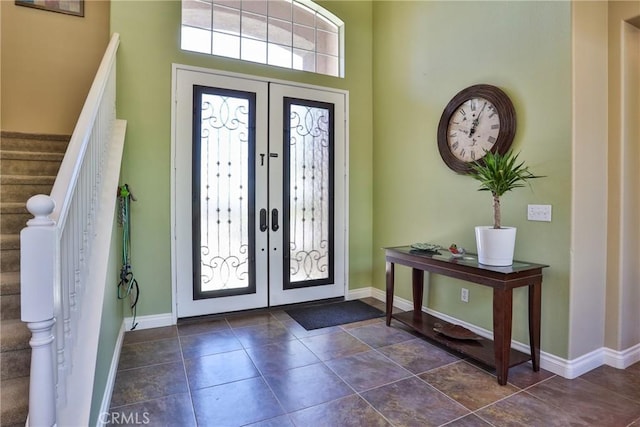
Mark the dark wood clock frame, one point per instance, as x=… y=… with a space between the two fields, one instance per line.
x=506 y=113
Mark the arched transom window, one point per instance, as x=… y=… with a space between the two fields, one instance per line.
x=295 y=34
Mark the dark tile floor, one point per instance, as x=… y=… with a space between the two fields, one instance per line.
x=263 y=369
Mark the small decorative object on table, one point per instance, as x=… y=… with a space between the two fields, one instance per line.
x=426 y=247
x=455 y=251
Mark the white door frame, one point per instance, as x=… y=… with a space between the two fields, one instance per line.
x=177 y=196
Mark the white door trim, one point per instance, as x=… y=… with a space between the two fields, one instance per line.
x=175 y=194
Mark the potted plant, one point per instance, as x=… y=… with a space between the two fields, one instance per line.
x=498 y=173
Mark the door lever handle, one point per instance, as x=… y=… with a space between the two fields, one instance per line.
x=263 y=220
x=274 y=220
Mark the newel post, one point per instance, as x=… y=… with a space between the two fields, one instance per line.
x=38 y=254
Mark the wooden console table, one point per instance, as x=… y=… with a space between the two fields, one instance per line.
x=503 y=280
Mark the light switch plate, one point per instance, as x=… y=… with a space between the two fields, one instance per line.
x=539 y=213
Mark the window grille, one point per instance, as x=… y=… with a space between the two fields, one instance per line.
x=296 y=34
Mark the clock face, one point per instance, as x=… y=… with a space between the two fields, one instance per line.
x=478 y=119
x=473 y=129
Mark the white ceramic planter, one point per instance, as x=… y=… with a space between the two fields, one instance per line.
x=495 y=246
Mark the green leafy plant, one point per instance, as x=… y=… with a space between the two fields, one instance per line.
x=500 y=173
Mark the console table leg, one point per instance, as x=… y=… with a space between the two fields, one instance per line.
x=390 y=285
x=535 y=297
x=502 y=316
x=417 y=281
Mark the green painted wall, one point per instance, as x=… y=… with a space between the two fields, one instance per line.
x=112 y=316
x=424 y=53
x=149 y=32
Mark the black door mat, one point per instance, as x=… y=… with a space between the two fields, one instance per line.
x=332 y=314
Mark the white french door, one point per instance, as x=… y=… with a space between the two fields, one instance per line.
x=259 y=193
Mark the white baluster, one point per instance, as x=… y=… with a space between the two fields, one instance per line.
x=39 y=254
x=67 y=297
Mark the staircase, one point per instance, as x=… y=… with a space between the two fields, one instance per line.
x=28 y=166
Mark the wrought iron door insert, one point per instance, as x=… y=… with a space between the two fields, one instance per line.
x=223 y=197
x=308 y=232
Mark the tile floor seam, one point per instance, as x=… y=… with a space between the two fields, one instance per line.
x=476 y=414
x=464 y=416
x=445 y=365
x=538 y=383
x=308 y=348
x=352 y=329
x=204 y=333
x=184 y=369
x=275 y=396
x=359 y=393
x=262 y=376
x=612 y=391
x=376 y=410
x=284 y=411
x=445 y=394
x=274 y=319
x=546 y=402
x=504 y=398
x=141 y=401
x=147 y=366
x=609 y=390
x=634 y=422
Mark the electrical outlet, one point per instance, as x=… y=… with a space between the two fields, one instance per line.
x=464 y=295
x=539 y=213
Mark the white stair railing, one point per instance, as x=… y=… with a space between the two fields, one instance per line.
x=64 y=257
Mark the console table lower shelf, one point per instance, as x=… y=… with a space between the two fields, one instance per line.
x=481 y=349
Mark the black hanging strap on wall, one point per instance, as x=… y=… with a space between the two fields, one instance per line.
x=128 y=285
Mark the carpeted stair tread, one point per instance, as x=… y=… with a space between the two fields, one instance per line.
x=19 y=188
x=13 y=208
x=14 y=223
x=10 y=260
x=9 y=307
x=16 y=141
x=27 y=180
x=14 y=217
x=29 y=163
x=15 y=335
x=15 y=364
x=10 y=283
x=15 y=401
x=9 y=241
x=31 y=156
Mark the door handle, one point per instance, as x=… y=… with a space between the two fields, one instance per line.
x=263 y=220
x=274 y=220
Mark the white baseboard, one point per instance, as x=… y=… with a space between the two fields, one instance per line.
x=151 y=321
x=582 y=364
x=550 y=362
x=622 y=359
x=360 y=293
x=111 y=379
x=602 y=356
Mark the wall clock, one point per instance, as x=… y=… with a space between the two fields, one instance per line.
x=478 y=119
